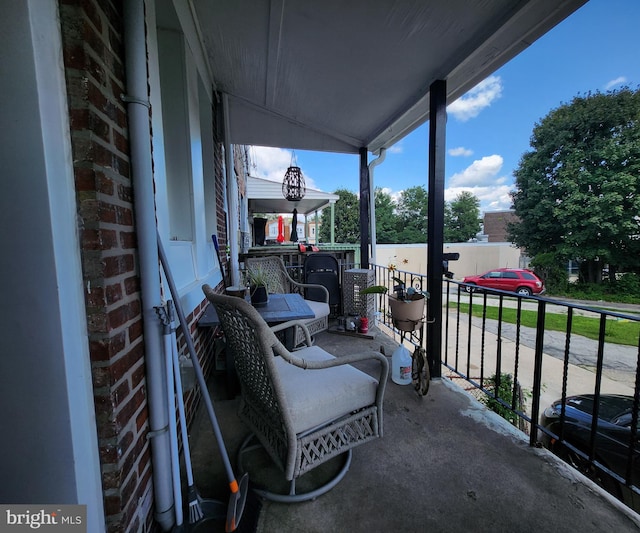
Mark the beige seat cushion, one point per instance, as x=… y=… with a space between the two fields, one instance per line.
x=320 y=309
x=315 y=397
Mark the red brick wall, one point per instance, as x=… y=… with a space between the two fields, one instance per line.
x=92 y=33
x=495 y=225
x=220 y=179
x=93 y=55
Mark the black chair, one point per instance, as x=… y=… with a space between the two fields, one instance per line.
x=323 y=269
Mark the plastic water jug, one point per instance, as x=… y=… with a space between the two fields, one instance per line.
x=401 y=366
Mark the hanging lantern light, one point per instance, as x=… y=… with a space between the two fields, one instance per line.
x=293 y=188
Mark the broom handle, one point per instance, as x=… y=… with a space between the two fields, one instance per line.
x=196 y=365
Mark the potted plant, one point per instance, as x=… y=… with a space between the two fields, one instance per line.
x=406 y=304
x=258 y=281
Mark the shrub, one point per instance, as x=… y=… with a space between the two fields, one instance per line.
x=628 y=283
x=505 y=393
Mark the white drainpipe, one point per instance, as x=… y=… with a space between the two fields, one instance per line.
x=142 y=174
x=232 y=197
x=372 y=202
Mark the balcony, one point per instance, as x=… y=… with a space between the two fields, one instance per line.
x=446 y=462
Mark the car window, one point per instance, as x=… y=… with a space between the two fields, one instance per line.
x=623 y=420
x=510 y=275
x=528 y=275
x=493 y=275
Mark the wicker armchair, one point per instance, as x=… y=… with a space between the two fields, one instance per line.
x=304 y=407
x=281 y=282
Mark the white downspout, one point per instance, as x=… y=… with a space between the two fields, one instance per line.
x=333 y=223
x=232 y=198
x=372 y=202
x=142 y=175
x=316 y=238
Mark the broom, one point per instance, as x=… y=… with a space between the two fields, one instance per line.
x=195 y=511
x=238 y=490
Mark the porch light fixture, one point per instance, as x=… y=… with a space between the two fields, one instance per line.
x=293 y=188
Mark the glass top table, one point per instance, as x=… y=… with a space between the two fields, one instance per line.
x=279 y=308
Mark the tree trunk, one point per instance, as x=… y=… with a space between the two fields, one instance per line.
x=591 y=271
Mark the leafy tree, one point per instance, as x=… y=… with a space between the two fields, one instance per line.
x=578 y=190
x=347 y=219
x=462 y=218
x=412 y=215
x=386 y=220
x=552 y=271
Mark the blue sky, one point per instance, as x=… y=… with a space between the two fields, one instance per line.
x=488 y=129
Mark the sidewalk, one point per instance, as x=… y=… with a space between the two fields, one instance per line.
x=619 y=361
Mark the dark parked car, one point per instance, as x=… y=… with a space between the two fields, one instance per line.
x=517 y=280
x=612 y=439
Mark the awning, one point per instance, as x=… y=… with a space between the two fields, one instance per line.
x=265 y=196
x=336 y=75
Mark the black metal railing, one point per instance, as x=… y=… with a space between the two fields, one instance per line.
x=391 y=278
x=521 y=355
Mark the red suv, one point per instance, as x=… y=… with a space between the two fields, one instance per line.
x=517 y=280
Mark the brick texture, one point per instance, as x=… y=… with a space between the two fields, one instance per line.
x=92 y=33
x=94 y=70
x=495 y=225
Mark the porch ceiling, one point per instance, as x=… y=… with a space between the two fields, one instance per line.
x=337 y=75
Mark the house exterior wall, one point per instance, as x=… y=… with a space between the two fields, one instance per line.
x=272 y=230
x=475 y=258
x=48 y=450
x=93 y=51
x=92 y=35
x=495 y=225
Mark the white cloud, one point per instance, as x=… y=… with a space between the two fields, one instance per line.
x=460 y=151
x=482 y=179
x=473 y=102
x=620 y=80
x=395 y=195
x=272 y=163
x=396 y=148
x=492 y=197
x=480 y=172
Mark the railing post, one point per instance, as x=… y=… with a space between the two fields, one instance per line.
x=537 y=373
x=595 y=415
x=365 y=216
x=435 y=222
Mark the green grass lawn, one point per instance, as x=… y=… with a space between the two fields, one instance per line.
x=617 y=331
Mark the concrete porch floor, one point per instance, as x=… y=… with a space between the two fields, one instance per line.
x=445 y=464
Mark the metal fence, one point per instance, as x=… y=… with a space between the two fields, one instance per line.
x=549 y=367
x=530 y=360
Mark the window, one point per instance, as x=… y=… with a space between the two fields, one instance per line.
x=175 y=116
